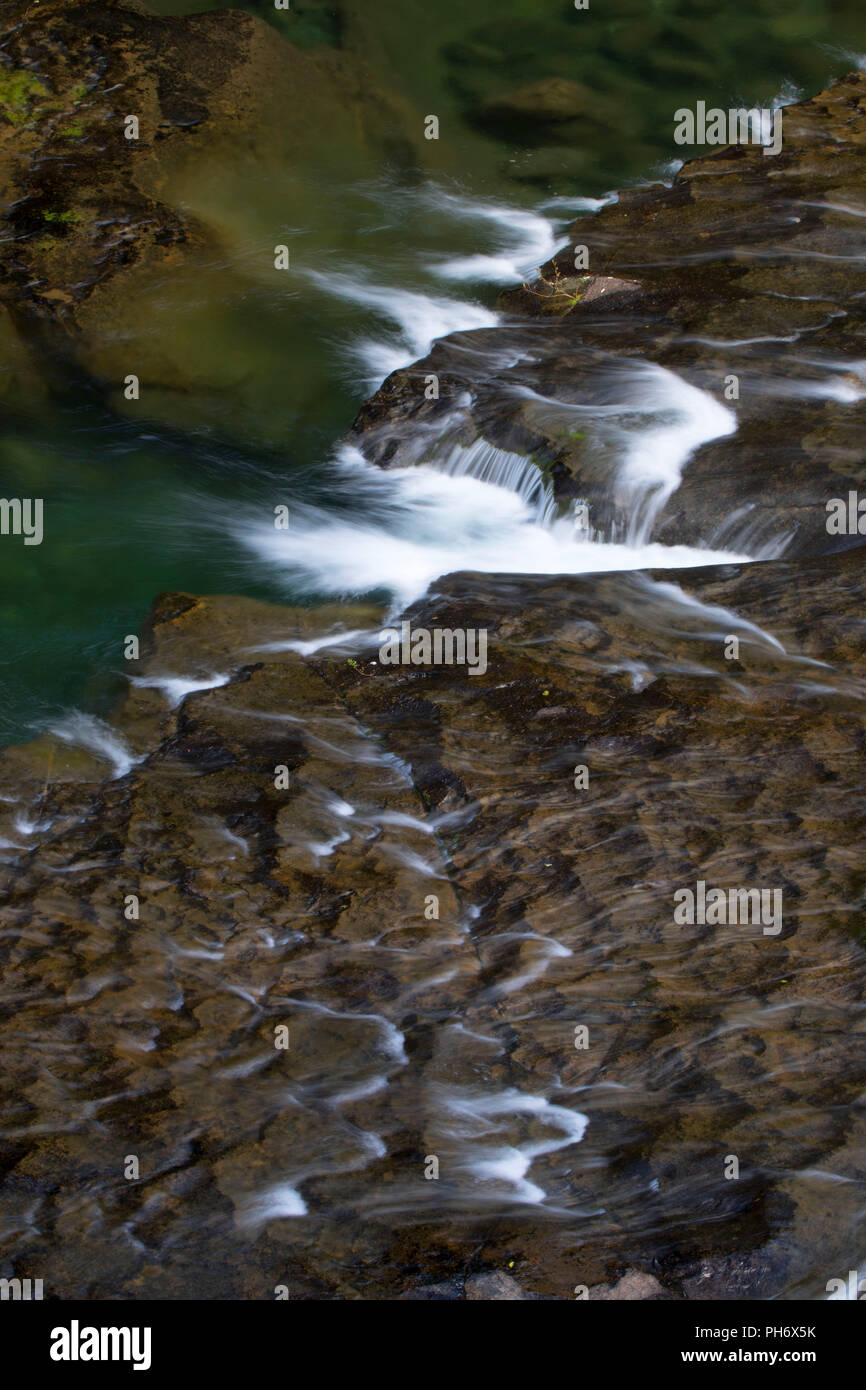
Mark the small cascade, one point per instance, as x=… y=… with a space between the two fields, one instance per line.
x=682 y=418
x=514 y=472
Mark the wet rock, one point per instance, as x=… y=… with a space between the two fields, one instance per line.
x=634 y=1285
x=737 y=1276
x=436 y=1293
x=430 y=908
x=496 y=1285
x=315 y=940
x=741 y=277
x=113 y=254
x=561 y=108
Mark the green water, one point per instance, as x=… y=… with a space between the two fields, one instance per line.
x=136 y=499
x=637 y=59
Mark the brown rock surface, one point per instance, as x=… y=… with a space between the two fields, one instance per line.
x=415 y=1037
x=748 y=266
x=632 y=1286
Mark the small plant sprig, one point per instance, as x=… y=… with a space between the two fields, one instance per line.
x=555 y=287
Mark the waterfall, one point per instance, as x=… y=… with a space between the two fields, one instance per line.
x=514 y=472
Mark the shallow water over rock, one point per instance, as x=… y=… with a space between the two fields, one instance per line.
x=434 y=911
x=372 y=980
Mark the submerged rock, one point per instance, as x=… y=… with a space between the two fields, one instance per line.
x=562 y=108
x=116 y=125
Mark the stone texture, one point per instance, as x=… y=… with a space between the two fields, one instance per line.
x=288 y=828
x=496 y=1285
x=744 y=265
x=306 y=908
x=634 y=1285
x=103 y=235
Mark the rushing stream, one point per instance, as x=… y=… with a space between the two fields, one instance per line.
x=143 y=510
x=380 y=267
x=445 y=1034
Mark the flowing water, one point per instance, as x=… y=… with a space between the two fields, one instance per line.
x=381 y=268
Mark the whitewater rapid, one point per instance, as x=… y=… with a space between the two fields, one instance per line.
x=478 y=507
x=428 y=523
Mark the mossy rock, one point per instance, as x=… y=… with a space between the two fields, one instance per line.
x=20 y=92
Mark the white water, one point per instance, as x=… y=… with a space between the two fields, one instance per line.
x=847 y=55
x=479 y=507
x=474 y=1118
x=651 y=421
x=522 y=241
x=272 y=1205
x=530 y=242
x=88 y=732
x=476 y=507
x=514 y=472
x=847 y=385
x=176 y=688
x=488 y=510
x=684 y=418
x=433 y=524
x=419 y=319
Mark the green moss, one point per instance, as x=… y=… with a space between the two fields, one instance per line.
x=72 y=131
x=19 y=89
x=65 y=217
x=545 y=467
